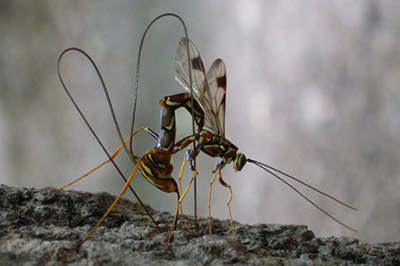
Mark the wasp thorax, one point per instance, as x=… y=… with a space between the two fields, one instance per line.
x=240 y=161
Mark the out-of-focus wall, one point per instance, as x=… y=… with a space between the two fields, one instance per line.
x=313 y=89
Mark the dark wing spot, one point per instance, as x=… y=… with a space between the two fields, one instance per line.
x=221 y=82
x=197 y=63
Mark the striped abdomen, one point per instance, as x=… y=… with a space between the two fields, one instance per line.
x=169 y=104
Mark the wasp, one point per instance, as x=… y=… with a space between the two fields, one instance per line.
x=205 y=100
x=210 y=94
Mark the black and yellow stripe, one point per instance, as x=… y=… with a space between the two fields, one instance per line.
x=169 y=104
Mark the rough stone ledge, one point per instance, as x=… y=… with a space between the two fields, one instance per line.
x=42 y=227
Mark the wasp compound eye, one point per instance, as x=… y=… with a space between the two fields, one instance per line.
x=240 y=161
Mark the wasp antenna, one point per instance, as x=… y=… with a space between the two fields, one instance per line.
x=303 y=183
x=88 y=124
x=103 y=84
x=136 y=89
x=265 y=167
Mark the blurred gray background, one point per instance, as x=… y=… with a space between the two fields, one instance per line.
x=313 y=89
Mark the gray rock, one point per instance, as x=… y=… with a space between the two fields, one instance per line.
x=43 y=227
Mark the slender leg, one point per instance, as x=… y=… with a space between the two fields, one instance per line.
x=228 y=202
x=196 y=223
x=116 y=152
x=195 y=174
x=209 y=201
x=112 y=205
x=180 y=181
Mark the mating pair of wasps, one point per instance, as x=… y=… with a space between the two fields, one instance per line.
x=205 y=100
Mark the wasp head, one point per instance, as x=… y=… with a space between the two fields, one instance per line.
x=239 y=161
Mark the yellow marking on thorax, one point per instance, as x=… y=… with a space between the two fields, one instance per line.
x=212 y=146
x=171 y=102
x=230 y=149
x=228 y=160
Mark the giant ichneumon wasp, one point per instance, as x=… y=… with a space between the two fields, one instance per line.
x=205 y=100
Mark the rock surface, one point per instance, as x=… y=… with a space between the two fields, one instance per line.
x=43 y=226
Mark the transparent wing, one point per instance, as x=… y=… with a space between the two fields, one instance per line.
x=182 y=66
x=213 y=96
x=208 y=89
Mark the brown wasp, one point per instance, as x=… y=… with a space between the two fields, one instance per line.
x=205 y=100
x=210 y=94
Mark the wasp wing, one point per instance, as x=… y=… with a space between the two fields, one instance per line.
x=208 y=89
x=182 y=67
x=213 y=95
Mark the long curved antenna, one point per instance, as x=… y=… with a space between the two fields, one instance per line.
x=191 y=92
x=138 y=69
x=88 y=124
x=267 y=168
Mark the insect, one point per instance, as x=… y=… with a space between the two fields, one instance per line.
x=205 y=100
x=210 y=94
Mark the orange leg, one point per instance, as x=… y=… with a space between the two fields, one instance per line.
x=116 y=152
x=195 y=174
x=209 y=201
x=228 y=202
x=180 y=181
x=112 y=205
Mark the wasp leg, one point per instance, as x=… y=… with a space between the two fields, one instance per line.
x=209 y=201
x=180 y=182
x=116 y=152
x=190 y=155
x=228 y=202
x=112 y=205
x=195 y=174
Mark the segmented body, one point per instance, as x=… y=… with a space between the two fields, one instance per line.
x=169 y=105
x=209 y=90
x=156 y=165
x=207 y=107
x=211 y=144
